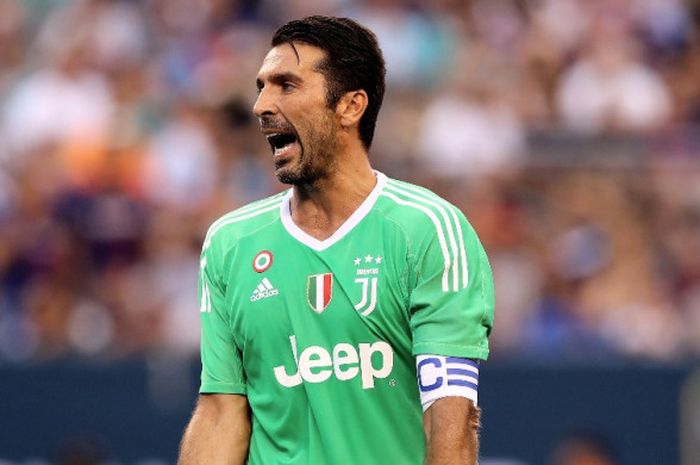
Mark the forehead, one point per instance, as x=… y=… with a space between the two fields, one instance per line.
x=283 y=59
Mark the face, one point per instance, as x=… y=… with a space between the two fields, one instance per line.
x=294 y=116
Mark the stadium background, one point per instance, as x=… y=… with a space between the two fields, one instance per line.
x=567 y=130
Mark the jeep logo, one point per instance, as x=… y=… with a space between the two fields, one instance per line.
x=316 y=364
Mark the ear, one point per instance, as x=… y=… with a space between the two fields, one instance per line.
x=351 y=107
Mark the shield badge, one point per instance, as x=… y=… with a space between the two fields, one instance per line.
x=319 y=291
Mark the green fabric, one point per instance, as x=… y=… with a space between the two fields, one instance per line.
x=337 y=384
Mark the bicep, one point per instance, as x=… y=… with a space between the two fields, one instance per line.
x=222 y=365
x=228 y=413
x=452 y=430
x=219 y=431
x=452 y=299
x=452 y=413
x=231 y=406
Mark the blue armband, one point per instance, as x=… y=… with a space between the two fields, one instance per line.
x=440 y=376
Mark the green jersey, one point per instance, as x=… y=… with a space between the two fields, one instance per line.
x=321 y=335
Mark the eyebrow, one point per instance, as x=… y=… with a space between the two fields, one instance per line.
x=279 y=78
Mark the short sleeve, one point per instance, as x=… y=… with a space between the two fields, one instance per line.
x=452 y=300
x=222 y=366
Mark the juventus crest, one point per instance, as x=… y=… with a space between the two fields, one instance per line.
x=367 y=276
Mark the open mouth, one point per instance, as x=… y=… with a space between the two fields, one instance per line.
x=279 y=141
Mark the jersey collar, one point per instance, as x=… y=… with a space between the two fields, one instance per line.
x=352 y=221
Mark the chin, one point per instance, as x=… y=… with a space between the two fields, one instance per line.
x=288 y=176
x=284 y=178
x=299 y=175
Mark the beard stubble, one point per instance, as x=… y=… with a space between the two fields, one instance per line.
x=317 y=159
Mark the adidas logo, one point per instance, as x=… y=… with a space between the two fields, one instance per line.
x=264 y=290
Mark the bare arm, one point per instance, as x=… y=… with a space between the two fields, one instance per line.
x=452 y=432
x=218 y=433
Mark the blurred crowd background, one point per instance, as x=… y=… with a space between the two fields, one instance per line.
x=567 y=130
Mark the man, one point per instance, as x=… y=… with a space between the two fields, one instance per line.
x=342 y=319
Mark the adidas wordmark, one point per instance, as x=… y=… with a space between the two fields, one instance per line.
x=264 y=290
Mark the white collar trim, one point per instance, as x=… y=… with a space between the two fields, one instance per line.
x=352 y=221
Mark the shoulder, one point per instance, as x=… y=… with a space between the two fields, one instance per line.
x=245 y=220
x=416 y=208
x=442 y=239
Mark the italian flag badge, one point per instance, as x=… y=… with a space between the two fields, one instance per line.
x=319 y=290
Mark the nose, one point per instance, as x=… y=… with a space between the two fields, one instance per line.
x=264 y=104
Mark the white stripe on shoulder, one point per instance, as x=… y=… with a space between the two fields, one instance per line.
x=245 y=213
x=248 y=208
x=438 y=228
x=453 y=211
x=441 y=208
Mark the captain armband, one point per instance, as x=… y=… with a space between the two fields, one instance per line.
x=440 y=376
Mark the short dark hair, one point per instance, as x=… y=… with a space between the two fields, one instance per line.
x=353 y=61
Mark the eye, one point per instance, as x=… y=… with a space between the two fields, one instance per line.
x=287 y=86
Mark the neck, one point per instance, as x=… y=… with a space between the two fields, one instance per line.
x=322 y=207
